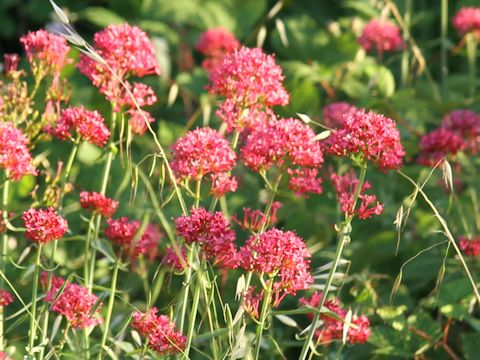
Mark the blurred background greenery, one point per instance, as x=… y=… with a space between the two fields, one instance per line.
x=315 y=42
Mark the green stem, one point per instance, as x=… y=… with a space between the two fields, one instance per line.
x=33 y=321
x=406 y=35
x=210 y=322
x=3 y=260
x=193 y=317
x=443 y=42
x=263 y=318
x=472 y=61
x=64 y=339
x=111 y=302
x=66 y=174
x=343 y=239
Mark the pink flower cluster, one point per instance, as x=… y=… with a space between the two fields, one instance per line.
x=346 y=186
x=159 y=331
x=255 y=220
x=282 y=255
x=122 y=232
x=46 y=52
x=214 y=44
x=333 y=114
x=15 y=157
x=172 y=259
x=5 y=298
x=44 y=225
x=381 y=36
x=460 y=131
x=89 y=125
x=470 y=246
x=205 y=152
x=10 y=62
x=332 y=328
x=75 y=302
x=212 y=231
x=98 y=203
x=467 y=20
x=128 y=51
x=251 y=82
x=290 y=143
x=373 y=135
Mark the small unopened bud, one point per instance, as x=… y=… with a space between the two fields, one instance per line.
x=11 y=63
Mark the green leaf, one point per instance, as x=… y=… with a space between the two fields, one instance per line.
x=101 y=17
x=470 y=345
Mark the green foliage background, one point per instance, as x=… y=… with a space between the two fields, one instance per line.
x=315 y=42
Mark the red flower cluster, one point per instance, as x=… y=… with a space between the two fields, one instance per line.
x=98 y=203
x=5 y=298
x=373 y=135
x=172 y=259
x=128 y=51
x=465 y=123
x=251 y=83
x=255 y=220
x=281 y=254
x=138 y=121
x=201 y=152
x=346 y=186
x=212 y=231
x=215 y=44
x=122 y=232
x=74 y=302
x=382 y=36
x=89 y=125
x=46 y=52
x=14 y=155
x=286 y=142
x=333 y=114
x=44 y=226
x=466 y=20
x=332 y=328
x=470 y=247
x=159 y=331
x=10 y=62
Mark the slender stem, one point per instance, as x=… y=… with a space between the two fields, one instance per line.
x=210 y=322
x=3 y=260
x=193 y=316
x=406 y=36
x=66 y=174
x=263 y=318
x=343 y=239
x=33 y=320
x=64 y=339
x=472 y=61
x=443 y=44
x=111 y=302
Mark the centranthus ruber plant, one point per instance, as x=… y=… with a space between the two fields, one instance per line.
x=259 y=233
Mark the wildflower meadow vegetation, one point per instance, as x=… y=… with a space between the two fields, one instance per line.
x=240 y=179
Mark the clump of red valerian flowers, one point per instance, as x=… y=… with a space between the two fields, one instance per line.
x=5 y=298
x=98 y=203
x=251 y=83
x=346 y=186
x=467 y=20
x=437 y=144
x=333 y=114
x=127 y=51
x=122 y=232
x=283 y=256
x=14 y=155
x=465 y=123
x=381 y=36
x=89 y=125
x=251 y=302
x=171 y=258
x=332 y=328
x=372 y=135
x=46 y=52
x=214 y=44
x=255 y=220
x=212 y=231
x=74 y=302
x=205 y=152
x=286 y=143
x=470 y=246
x=138 y=121
x=44 y=225
x=159 y=331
